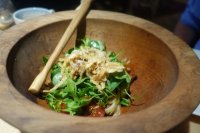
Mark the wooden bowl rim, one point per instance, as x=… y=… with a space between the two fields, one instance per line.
x=175 y=111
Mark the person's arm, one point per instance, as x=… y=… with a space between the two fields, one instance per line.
x=188 y=27
x=186 y=33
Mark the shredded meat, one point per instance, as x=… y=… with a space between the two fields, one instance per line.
x=94 y=63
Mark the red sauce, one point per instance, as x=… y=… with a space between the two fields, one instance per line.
x=96 y=111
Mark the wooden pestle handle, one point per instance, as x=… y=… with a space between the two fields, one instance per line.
x=40 y=78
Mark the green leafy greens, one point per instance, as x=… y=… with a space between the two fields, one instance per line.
x=77 y=92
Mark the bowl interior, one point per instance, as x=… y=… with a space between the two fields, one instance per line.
x=151 y=59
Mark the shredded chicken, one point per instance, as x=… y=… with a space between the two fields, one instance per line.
x=92 y=62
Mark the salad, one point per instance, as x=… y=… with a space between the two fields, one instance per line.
x=89 y=81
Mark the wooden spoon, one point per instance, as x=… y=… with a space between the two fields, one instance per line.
x=40 y=78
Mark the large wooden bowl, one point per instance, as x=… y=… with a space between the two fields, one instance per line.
x=168 y=84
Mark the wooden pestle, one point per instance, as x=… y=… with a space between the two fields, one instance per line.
x=40 y=78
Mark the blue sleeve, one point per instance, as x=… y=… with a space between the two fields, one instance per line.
x=191 y=15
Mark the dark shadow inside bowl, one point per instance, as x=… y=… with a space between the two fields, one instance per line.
x=151 y=59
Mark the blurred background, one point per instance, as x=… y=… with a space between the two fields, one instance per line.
x=163 y=12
